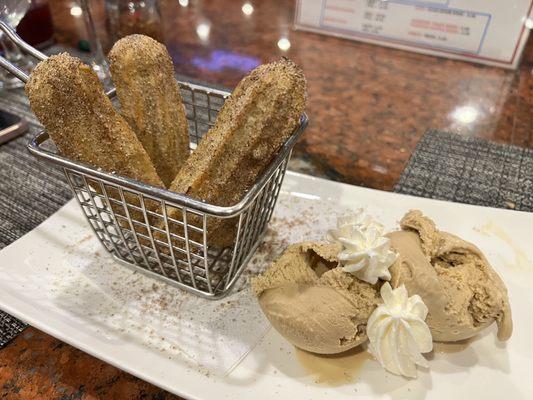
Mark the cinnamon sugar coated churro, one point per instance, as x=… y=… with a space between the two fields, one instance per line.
x=254 y=122
x=68 y=99
x=150 y=101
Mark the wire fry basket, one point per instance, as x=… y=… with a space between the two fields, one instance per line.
x=131 y=219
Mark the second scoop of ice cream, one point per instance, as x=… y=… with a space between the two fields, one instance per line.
x=464 y=295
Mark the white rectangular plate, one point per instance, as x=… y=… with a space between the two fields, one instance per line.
x=58 y=280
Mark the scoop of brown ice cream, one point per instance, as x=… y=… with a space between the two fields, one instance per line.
x=312 y=302
x=464 y=295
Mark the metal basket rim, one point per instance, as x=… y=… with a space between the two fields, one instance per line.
x=157 y=193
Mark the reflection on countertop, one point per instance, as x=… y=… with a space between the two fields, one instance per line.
x=368 y=105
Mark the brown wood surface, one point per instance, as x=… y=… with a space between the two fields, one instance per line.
x=368 y=107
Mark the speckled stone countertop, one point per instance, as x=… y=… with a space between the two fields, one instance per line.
x=368 y=107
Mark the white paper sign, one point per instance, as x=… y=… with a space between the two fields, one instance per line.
x=490 y=32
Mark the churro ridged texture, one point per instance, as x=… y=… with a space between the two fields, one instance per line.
x=258 y=117
x=150 y=101
x=69 y=100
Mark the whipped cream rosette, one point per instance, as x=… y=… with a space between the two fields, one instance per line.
x=398 y=333
x=365 y=250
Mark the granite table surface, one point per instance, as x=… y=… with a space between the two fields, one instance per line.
x=368 y=107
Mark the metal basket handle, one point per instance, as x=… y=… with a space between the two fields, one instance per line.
x=25 y=47
x=28 y=49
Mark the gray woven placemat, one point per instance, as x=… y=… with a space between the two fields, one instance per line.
x=451 y=167
x=30 y=192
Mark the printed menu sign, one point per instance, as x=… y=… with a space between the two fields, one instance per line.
x=489 y=32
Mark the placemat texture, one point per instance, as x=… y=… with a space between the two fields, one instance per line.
x=30 y=191
x=451 y=167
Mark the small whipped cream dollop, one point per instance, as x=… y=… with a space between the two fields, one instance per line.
x=398 y=333
x=365 y=251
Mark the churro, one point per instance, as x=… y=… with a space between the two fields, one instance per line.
x=150 y=101
x=254 y=122
x=68 y=99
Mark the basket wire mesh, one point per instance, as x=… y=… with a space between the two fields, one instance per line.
x=132 y=220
